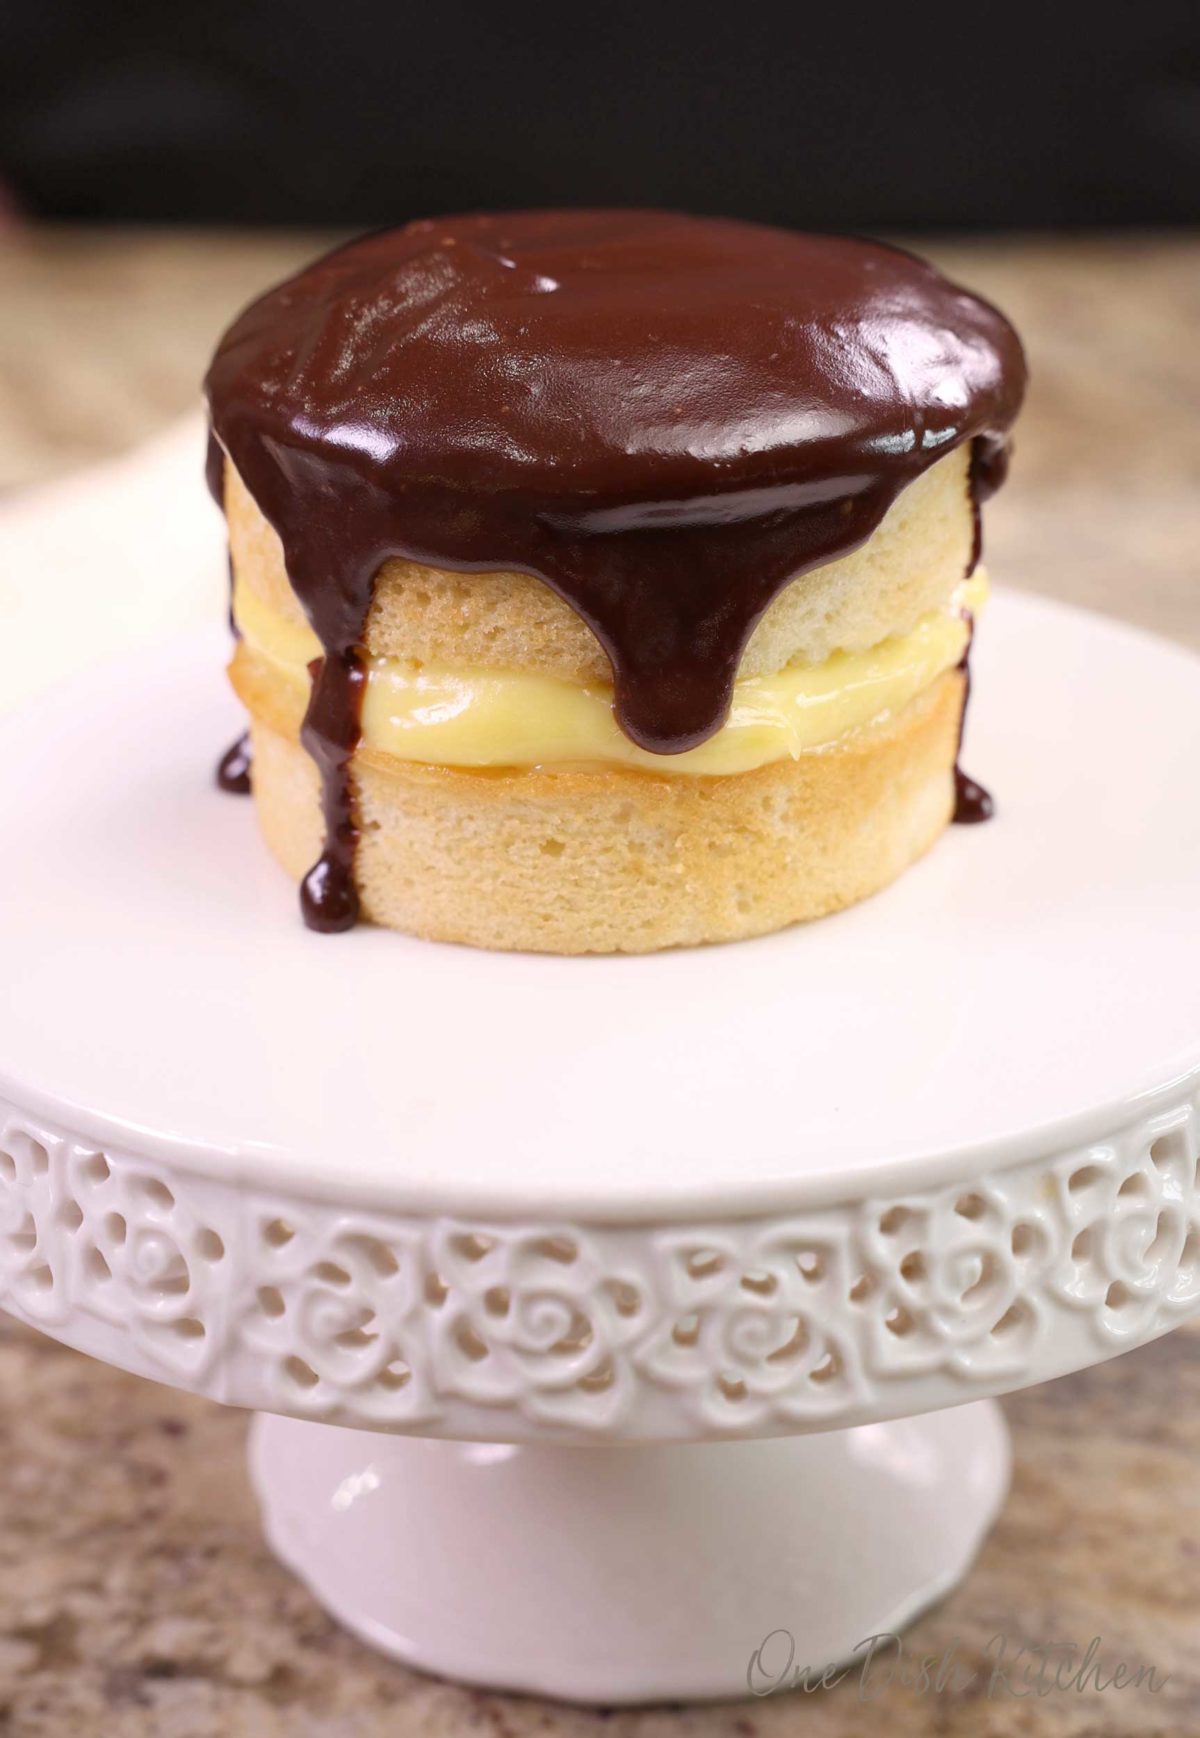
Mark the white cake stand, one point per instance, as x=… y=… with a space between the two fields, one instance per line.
x=521 y=1213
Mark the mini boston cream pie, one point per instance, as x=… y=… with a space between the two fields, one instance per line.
x=604 y=581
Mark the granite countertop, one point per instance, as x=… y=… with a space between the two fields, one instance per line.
x=136 y=1594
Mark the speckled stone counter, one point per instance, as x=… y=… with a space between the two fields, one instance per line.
x=137 y=1597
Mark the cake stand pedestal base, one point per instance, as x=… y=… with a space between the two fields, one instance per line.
x=632 y=1574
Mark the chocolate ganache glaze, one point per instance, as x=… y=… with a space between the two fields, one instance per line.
x=665 y=418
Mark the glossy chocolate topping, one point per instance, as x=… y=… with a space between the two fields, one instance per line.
x=665 y=418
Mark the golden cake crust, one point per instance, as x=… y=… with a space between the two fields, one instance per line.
x=616 y=861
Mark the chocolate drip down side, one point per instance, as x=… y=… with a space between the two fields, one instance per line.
x=666 y=420
x=233 y=768
x=972 y=803
x=330 y=733
x=988 y=470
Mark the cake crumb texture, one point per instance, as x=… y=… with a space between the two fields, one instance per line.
x=612 y=861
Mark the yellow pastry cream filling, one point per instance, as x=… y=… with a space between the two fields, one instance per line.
x=442 y=715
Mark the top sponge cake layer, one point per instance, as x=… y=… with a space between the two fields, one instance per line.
x=908 y=567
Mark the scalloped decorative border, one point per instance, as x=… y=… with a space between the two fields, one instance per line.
x=719 y=1328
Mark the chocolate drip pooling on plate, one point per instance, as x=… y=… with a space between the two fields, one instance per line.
x=233 y=768
x=665 y=418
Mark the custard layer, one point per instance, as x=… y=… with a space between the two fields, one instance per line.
x=442 y=716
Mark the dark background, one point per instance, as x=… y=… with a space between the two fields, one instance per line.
x=309 y=111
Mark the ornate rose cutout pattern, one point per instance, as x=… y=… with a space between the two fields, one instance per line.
x=724 y=1328
x=953 y=1279
x=542 y=1320
x=334 y=1313
x=112 y=1239
x=1129 y=1256
x=753 y=1330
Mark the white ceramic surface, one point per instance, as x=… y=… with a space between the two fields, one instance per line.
x=936 y=1148
x=638 y=1574
x=1017 y=992
x=155 y=561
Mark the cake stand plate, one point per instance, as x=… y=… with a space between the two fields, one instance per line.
x=626 y=1235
